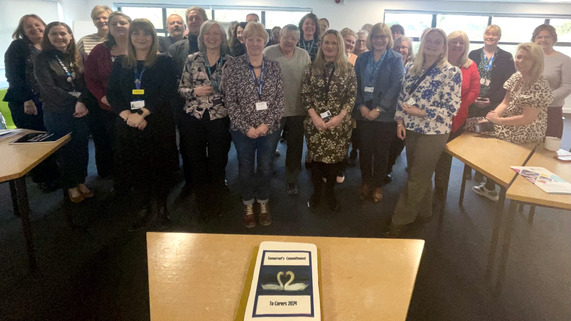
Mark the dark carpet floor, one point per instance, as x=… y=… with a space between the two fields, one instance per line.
x=98 y=271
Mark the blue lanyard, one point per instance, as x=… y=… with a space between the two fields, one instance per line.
x=305 y=43
x=70 y=75
x=208 y=65
x=138 y=77
x=489 y=62
x=259 y=84
x=374 y=68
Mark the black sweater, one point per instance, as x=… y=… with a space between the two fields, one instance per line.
x=20 y=72
x=502 y=69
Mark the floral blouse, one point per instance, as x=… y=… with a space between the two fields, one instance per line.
x=197 y=73
x=332 y=91
x=241 y=94
x=438 y=94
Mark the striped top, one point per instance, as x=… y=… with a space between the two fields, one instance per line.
x=87 y=43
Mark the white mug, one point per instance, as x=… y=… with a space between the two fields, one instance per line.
x=552 y=143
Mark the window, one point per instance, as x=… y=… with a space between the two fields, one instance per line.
x=282 y=18
x=563 y=29
x=155 y=15
x=473 y=26
x=517 y=29
x=228 y=15
x=413 y=23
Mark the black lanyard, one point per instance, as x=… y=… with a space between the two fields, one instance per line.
x=328 y=84
x=70 y=75
x=304 y=44
x=413 y=88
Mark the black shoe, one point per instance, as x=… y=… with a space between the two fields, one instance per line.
x=143 y=217
x=164 y=219
x=333 y=202
x=49 y=186
x=292 y=189
x=314 y=201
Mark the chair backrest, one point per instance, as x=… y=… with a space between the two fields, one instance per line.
x=5 y=111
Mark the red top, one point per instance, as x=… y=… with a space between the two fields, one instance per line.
x=98 y=68
x=470 y=91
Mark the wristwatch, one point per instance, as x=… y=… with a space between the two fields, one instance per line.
x=378 y=109
x=140 y=111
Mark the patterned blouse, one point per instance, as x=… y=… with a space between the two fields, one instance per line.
x=197 y=73
x=334 y=92
x=241 y=94
x=537 y=95
x=439 y=95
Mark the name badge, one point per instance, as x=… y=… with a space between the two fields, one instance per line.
x=326 y=115
x=410 y=102
x=137 y=104
x=369 y=89
x=261 y=105
x=75 y=94
x=484 y=81
x=138 y=91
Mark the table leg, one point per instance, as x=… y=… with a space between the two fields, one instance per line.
x=463 y=186
x=495 y=232
x=506 y=248
x=531 y=213
x=14 y=198
x=24 y=207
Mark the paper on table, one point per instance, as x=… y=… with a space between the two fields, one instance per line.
x=285 y=285
x=544 y=179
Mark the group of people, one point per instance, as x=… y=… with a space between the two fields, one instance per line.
x=364 y=88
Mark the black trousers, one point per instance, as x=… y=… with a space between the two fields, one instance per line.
x=376 y=138
x=101 y=127
x=294 y=138
x=205 y=144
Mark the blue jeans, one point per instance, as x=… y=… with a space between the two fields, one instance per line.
x=255 y=184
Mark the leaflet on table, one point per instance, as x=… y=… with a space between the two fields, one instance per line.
x=8 y=132
x=544 y=179
x=40 y=137
x=285 y=284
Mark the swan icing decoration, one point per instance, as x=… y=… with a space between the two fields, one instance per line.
x=273 y=286
x=285 y=287
x=293 y=287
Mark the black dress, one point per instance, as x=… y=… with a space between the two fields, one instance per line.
x=145 y=159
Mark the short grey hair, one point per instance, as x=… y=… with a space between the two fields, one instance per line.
x=224 y=49
x=290 y=28
x=362 y=32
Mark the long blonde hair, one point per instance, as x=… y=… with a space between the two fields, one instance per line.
x=536 y=53
x=464 y=60
x=147 y=27
x=418 y=63
x=341 y=62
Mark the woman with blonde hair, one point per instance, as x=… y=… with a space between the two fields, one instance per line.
x=458 y=48
x=328 y=93
x=254 y=98
x=429 y=98
x=557 y=72
x=349 y=39
x=100 y=18
x=141 y=88
x=379 y=77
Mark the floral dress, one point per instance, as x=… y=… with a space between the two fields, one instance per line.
x=328 y=91
x=537 y=95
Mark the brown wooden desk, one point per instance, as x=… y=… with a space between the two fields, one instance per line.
x=493 y=158
x=203 y=276
x=521 y=190
x=15 y=163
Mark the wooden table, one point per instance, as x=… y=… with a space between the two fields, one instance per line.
x=521 y=190
x=15 y=163
x=207 y=276
x=491 y=157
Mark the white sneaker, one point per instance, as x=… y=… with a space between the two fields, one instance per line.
x=483 y=191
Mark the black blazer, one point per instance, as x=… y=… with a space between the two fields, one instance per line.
x=502 y=69
x=19 y=64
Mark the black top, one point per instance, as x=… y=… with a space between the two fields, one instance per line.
x=20 y=71
x=53 y=80
x=502 y=69
x=158 y=80
x=165 y=43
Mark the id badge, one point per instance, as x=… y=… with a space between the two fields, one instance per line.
x=75 y=94
x=137 y=104
x=369 y=89
x=138 y=91
x=326 y=115
x=261 y=105
x=410 y=101
x=484 y=81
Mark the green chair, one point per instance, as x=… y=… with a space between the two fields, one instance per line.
x=5 y=110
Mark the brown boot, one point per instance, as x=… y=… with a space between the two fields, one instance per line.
x=249 y=218
x=378 y=195
x=365 y=192
x=265 y=218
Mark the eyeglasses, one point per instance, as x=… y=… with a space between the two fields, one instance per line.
x=379 y=37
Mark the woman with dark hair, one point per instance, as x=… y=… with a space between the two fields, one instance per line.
x=309 y=34
x=141 y=88
x=328 y=93
x=59 y=71
x=557 y=72
x=237 y=47
x=98 y=68
x=205 y=124
x=379 y=77
x=23 y=95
